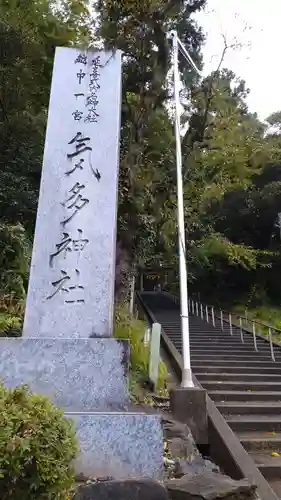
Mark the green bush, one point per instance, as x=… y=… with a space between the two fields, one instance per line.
x=10 y=325
x=37 y=446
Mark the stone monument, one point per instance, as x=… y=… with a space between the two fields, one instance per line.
x=67 y=350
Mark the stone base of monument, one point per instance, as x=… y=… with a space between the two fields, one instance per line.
x=77 y=374
x=118 y=445
x=87 y=379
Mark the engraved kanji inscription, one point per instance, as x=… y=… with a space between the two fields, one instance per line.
x=96 y=62
x=81 y=75
x=82 y=59
x=78 y=166
x=80 y=144
x=91 y=116
x=75 y=202
x=94 y=86
x=77 y=115
x=69 y=244
x=69 y=286
x=96 y=174
x=80 y=94
x=92 y=101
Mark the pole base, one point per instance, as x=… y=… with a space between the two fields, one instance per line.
x=189 y=406
x=187 y=378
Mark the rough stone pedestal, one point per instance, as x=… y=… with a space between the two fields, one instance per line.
x=188 y=405
x=87 y=379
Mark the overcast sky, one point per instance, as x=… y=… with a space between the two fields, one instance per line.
x=255 y=24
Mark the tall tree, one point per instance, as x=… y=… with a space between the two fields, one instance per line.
x=147 y=167
x=29 y=32
x=224 y=148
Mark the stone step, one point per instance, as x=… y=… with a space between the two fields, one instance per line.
x=225 y=343
x=249 y=386
x=228 y=348
x=253 y=364
x=257 y=422
x=77 y=374
x=234 y=370
x=240 y=377
x=260 y=441
x=118 y=445
x=231 y=357
x=233 y=395
x=268 y=465
x=234 y=352
x=270 y=407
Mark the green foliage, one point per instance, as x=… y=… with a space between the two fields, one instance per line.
x=37 y=446
x=232 y=184
x=15 y=253
x=129 y=328
x=231 y=201
x=10 y=325
x=147 y=168
x=29 y=32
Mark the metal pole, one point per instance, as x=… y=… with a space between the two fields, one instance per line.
x=186 y=372
x=255 y=338
x=207 y=314
x=202 y=314
x=141 y=282
x=197 y=309
x=192 y=306
x=230 y=324
x=213 y=317
x=241 y=330
x=222 y=320
x=271 y=345
x=132 y=294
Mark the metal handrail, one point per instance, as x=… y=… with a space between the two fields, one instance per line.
x=195 y=306
x=199 y=309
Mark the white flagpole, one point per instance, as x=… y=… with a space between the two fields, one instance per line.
x=186 y=373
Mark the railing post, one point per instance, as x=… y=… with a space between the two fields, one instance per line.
x=213 y=316
x=222 y=320
x=255 y=338
x=271 y=345
x=141 y=282
x=147 y=335
x=197 y=309
x=192 y=306
x=230 y=324
x=132 y=294
x=201 y=309
x=207 y=314
x=241 y=330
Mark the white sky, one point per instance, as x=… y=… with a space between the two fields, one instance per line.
x=255 y=24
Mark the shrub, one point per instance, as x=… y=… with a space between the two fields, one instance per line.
x=15 y=253
x=37 y=446
x=10 y=326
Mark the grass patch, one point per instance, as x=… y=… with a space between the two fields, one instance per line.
x=268 y=314
x=10 y=325
x=132 y=329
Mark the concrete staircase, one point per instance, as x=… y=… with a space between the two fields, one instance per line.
x=244 y=384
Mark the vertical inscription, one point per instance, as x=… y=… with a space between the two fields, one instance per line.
x=78 y=156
